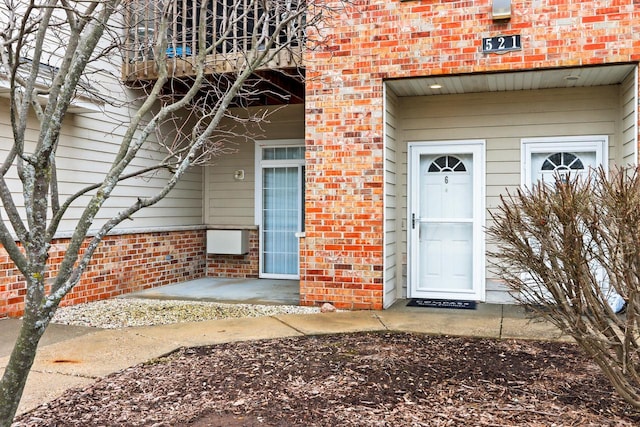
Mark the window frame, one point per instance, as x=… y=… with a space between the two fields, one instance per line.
x=260 y=164
x=598 y=144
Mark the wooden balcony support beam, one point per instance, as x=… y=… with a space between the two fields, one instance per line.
x=291 y=85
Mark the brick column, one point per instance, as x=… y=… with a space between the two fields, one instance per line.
x=372 y=40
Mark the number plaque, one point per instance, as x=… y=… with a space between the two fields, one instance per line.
x=501 y=44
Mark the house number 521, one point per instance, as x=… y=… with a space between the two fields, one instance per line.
x=500 y=44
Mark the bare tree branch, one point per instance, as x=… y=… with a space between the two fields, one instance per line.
x=194 y=61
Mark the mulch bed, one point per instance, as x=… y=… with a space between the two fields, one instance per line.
x=364 y=379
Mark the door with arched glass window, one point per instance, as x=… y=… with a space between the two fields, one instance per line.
x=545 y=159
x=446 y=244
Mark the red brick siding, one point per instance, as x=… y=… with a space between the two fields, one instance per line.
x=237 y=266
x=342 y=257
x=121 y=264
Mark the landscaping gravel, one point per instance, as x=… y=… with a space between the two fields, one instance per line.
x=127 y=312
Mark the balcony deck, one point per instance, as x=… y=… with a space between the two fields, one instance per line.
x=231 y=30
x=143 y=67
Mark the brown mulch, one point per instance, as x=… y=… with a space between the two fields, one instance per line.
x=364 y=379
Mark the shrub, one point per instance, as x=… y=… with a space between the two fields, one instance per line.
x=570 y=252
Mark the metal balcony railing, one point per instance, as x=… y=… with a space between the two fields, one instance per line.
x=232 y=28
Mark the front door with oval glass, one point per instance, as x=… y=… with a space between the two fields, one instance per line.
x=547 y=160
x=446 y=244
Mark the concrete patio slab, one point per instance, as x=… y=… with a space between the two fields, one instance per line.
x=237 y=291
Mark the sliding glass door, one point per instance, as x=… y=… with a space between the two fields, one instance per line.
x=281 y=211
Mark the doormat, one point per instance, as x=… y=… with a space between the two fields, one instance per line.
x=442 y=303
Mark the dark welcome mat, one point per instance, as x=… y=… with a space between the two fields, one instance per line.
x=442 y=303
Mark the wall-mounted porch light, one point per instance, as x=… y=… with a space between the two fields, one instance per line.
x=238 y=175
x=501 y=10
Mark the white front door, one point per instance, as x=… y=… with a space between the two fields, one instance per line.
x=446 y=205
x=551 y=158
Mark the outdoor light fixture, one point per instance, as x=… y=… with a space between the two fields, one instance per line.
x=501 y=10
x=435 y=86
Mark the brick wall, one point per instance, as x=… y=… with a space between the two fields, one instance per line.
x=122 y=264
x=237 y=266
x=342 y=256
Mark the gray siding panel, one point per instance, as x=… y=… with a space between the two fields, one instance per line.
x=629 y=117
x=390 y=201
x=503 y=119
x=232 y=202
x=88 y=144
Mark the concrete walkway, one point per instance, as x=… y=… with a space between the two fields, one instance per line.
x=75 y=357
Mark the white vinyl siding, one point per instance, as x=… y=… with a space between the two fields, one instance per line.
x=503 y=119
x=229 y=201
x=629 y=117
x=88 y=144
x=391 y=219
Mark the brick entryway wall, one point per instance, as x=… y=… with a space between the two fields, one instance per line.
x=372 y=40
x=122 y=264
x=237 y=266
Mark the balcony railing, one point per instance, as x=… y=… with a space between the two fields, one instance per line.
x=233 y=29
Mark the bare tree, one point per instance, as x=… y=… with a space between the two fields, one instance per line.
x=191 y=62
x=571 y=253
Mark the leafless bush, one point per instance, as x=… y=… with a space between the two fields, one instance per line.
x=568 y=251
